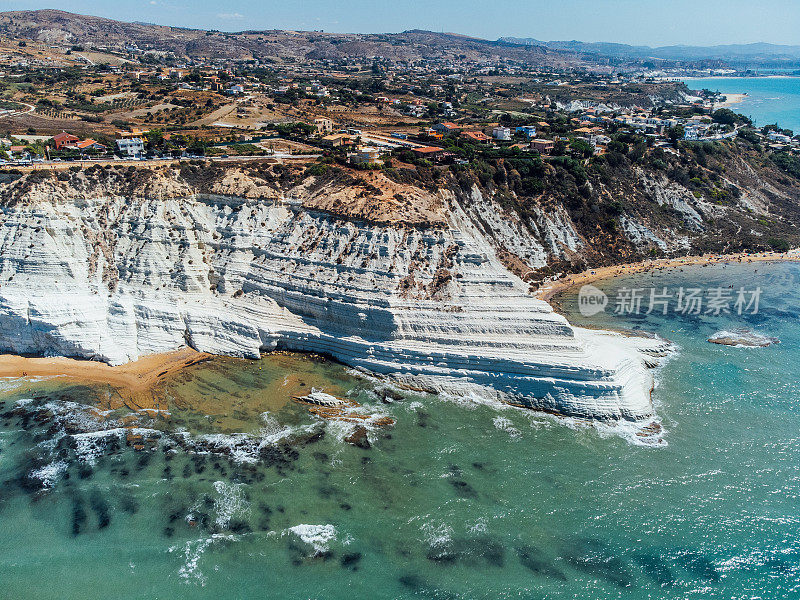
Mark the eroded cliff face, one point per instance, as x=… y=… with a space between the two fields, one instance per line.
x=562 y=214
x=395 y=279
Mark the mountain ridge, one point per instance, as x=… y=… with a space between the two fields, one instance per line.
x=64 y=28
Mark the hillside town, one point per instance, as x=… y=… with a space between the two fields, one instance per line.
x=61 y=104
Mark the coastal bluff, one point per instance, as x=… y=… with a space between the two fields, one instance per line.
x=114 y=264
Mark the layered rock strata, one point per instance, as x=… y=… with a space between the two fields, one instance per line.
x=90 y=270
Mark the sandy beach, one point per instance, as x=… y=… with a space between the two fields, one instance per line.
x=731 y=100
x=549 y=290
x=134 y=377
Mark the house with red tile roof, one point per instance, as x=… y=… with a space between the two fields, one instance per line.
x=64 y=139
x=89 y=144
x=446 y=127
x=475 y=136
x=427 y=151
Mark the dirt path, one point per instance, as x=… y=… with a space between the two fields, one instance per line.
x=221 y=112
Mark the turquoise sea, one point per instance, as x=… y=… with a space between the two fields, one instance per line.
x=769 y=99
x=259 y=498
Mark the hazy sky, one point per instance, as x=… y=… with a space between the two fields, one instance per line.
x=648 y=22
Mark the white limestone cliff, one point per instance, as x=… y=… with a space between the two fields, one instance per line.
x=88 y=271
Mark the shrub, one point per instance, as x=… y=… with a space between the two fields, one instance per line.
x=659 y=164
x=316 y=170
x=787 y=163
x=779 y=244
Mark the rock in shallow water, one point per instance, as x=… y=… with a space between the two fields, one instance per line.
x=358 y=437
x=743 y=338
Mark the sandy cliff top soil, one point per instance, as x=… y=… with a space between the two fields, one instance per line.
x=371 y=196
x=362 y=195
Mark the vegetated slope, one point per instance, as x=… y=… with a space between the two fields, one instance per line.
x=560 y=213
x=632 y=203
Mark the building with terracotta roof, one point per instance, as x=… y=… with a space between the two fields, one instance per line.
x=543 y=146
x=446 y=127
x=427 y=151
x=475 y=136
x=336 y=140
x=64 y=139
x=89 y=144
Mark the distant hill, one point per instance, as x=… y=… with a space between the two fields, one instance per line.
x=59 y=27
x=757 y=52
x=66 y=29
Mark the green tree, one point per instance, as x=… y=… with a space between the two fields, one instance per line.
x=560 y=148
x=155 y=139
x=676 y=133
x=725 y=116
x=582 y=148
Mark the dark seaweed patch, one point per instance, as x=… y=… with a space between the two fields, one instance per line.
x=413 y=582
x=472 y=552
x=199 y=463
x=699 y=566
x=534 y=560
x=84 y=471
x=594 y=558
x=350 y=561
x=78 y=516
x=239 y=527
x=176 y=514
x=100 y=508
x=310 y=438
x=26 y=483
x=128 y=504
x=463 y=489
x=654 y=567
x=143 y=460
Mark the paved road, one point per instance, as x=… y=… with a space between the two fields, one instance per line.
x=60 y=165
x=17 y=113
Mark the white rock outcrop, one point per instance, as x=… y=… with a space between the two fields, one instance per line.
x=111 y=277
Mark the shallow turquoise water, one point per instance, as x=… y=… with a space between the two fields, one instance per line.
x=770 y=99
x=456 y=500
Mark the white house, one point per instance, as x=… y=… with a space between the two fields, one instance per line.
x=779 y=137
x=130 y=147
x=501 y=133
